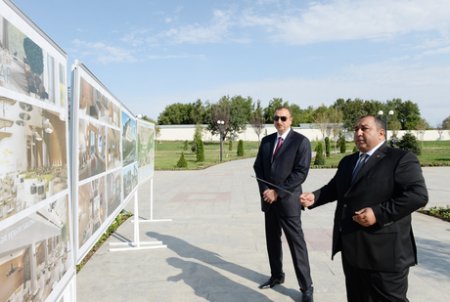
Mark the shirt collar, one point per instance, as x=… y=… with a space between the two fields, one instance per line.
x=285 y=134
x=372 y=151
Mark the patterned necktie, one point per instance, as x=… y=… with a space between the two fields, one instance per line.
x=361 y=161
x=279 y=143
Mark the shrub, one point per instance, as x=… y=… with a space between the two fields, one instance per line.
x=409 y=142
x=200 y=152
x=320 y=159
x=182 y=163
x=327 y=146
x=230 y=145
x=197 y=144
x=443 y=213
x=342 y=144
x=240 y=148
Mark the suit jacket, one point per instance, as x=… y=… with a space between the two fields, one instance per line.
x=288 y=170
x=392 y=184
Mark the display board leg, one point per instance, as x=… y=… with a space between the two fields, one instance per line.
x=136 y=244
x=151 y=219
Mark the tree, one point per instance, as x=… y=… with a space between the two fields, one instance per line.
x=407 y=113
x=240 y=148
x=234 y=112
x=394 y=125
x=183 y=114
x=269 y=111
x=304 y=115
x=198 y=143
x=176 y=114
x=198 y=112
x=446 y=123
x=335 y=117
x=319 y=159
x=241 y=111
x=321 y=118
x=220 y=112
x=257 y=119
x=352 y=110
x=327 y=146
x=296 y=113
x=421 y=126
x=182 y=163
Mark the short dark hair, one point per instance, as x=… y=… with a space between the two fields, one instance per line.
x=378 y=121
x=284 y=107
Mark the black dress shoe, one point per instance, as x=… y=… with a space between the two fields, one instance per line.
x=307 y=295
x=272 y=282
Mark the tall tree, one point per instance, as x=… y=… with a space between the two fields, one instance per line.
x=305 y=116
x=257 y=119
x=234 y=112
x=352 y=110
x=296 y=112
x=176 y=114
x=321 y=119
x=198 y=112
x=269 y=111
x=446 y=123
x=220 y=112
x=407 y=113
x=241 y=111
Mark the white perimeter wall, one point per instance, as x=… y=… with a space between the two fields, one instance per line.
x=186 y=132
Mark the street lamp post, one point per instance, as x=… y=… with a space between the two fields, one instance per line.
x=386 y=120
x=221 y=125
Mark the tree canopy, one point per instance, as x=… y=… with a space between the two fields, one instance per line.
x=238 y=111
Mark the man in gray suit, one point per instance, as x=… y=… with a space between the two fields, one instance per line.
x=281 y=167
x=376 y=190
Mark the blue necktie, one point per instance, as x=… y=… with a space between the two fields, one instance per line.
x=361 y=161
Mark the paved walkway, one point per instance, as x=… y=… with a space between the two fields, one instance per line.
x=216 y=247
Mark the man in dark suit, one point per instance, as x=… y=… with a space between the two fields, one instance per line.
x=372 y=225
x=281 y=167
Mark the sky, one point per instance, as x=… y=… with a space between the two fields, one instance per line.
x=154 y=53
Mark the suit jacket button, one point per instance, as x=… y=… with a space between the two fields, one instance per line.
x=345 y=205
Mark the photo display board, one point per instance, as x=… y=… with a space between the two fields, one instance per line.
x=104 y=161
x=36 y=251
x=146 y=149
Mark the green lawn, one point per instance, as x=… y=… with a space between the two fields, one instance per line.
x=167 y=154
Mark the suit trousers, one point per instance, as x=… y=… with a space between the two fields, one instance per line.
x=374 y=286
x=291 y=226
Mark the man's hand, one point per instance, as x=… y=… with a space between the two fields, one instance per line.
x=306 y=199
x=365 y=217
x=270 y=196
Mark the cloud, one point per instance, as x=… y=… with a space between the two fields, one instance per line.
x=425 y=85
x=353 y=19
x=102 y=52
x=214 y=32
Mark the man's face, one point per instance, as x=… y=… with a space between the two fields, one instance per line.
x=282 y=120
x=367 y=134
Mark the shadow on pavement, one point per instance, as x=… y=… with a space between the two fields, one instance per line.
x=197 y=275
x=433 y=257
